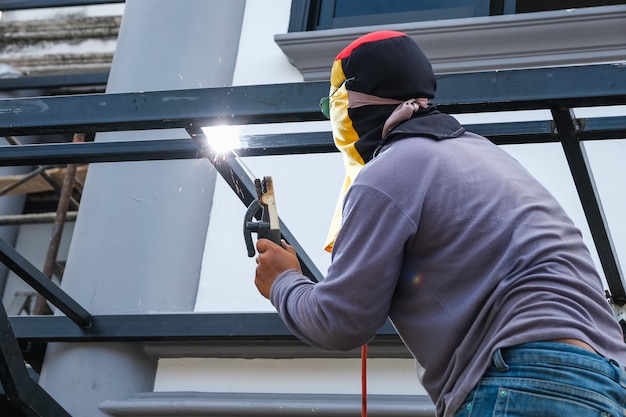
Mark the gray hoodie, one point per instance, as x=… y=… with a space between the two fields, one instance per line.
x=465 y=252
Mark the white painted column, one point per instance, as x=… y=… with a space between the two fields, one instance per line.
x=138 y=242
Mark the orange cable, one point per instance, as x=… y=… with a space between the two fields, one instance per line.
x=364 y=381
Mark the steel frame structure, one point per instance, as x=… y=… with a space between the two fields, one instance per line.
x=556 y=89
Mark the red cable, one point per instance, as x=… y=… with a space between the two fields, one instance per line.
x=364 y=381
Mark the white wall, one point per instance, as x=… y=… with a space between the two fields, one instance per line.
x=290 y=376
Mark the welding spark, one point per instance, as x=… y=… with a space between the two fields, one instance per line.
x=222 y=139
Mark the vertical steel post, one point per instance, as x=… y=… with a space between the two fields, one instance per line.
x=567 y=128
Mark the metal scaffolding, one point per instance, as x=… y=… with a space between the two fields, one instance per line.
x=556 y=89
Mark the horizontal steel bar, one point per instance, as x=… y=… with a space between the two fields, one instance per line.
x=537 y=88
x=602 y=128
x=457 y=93
x=284 y=143
x=276 y=144
x=54 y=81
x=87 y=152
x=161 y=109
x=159 y=328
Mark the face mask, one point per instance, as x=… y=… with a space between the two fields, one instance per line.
x=368 y=80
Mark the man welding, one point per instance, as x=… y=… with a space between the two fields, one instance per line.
x=485 y=278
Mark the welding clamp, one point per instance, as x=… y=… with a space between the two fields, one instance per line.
x=268 y=226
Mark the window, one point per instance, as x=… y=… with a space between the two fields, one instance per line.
x=309 y=15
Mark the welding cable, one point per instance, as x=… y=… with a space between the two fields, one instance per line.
x=364 y=381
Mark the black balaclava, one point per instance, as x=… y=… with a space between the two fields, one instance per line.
x=370 y=80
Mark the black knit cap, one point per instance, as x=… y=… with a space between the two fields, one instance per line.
x=385 y=64
x=388 y=64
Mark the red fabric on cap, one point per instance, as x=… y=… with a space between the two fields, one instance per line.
x=371 y=37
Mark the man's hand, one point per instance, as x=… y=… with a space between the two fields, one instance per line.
x=271 y=262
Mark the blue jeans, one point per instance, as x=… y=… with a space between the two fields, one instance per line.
x=548 y=379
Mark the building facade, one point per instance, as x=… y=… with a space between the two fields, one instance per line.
x=165 y=237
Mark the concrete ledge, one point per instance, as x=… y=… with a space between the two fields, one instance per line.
x=66 y=45
x=556 y=38
x=195 y=404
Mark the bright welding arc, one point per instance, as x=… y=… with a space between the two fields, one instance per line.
x=226 y=138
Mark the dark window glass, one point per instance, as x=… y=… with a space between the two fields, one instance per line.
x=347 y=13
x=346 y=8
x=360 y=7
x=327 y=14
x=526 y=6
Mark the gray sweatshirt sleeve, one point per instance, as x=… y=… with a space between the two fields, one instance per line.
x=346 y=309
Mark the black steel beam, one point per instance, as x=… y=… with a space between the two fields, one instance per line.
x=276 y=144
x=539 y=88
x=282 y=143
x=161 y=109
x=257 y=104
x=602 y=128
x=150 y=327
x=20 y=389
x=54 y=81
x=159 y=328
x=190 y=109
x=556 y=88
x=88 y=152
x=567 y=128
x=42 y=284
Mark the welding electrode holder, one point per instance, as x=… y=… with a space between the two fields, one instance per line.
x=268 y=227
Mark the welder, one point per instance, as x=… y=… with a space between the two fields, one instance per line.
x=484 y=276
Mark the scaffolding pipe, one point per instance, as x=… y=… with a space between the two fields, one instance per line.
x=34 y=218
x=50 y=264
x=24 y=179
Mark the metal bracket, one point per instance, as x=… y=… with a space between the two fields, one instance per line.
x=20 y=389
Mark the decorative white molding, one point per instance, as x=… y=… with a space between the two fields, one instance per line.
x=556 y=38
x=67 y=45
